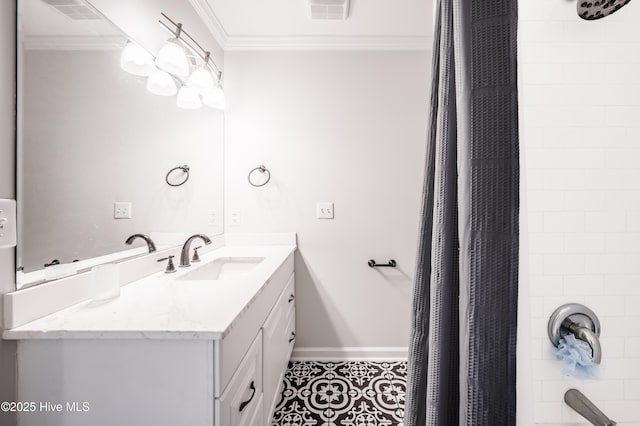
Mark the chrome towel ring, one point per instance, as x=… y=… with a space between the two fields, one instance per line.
x=262 y=169
x=185 y=171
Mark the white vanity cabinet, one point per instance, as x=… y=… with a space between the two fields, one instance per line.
x=230 y=379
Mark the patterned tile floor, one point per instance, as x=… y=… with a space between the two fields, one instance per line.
x=342 y=394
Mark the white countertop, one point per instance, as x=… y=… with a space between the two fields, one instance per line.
x=162 y=307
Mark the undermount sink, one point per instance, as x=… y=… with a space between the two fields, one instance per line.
x=223 y=268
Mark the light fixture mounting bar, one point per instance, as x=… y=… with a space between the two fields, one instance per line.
x=180 y=34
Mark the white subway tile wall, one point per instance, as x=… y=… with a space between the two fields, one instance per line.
x=580 y=132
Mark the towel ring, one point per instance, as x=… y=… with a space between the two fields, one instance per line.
x=185 y=170
x=262 y=169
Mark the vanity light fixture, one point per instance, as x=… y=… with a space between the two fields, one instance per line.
x=188 y=98
x=161 y=83
x=201 y=80
x=214 y=98
x=205 y=78
x=202 y=86
x=137 y=61
x=172 y=58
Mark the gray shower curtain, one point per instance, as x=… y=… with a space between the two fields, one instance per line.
x=462 y=352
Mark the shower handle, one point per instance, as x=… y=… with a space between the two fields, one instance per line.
x=586 y=335
x=582 y=322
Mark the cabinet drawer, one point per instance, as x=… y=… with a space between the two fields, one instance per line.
x=243 y=395
x=286 y=301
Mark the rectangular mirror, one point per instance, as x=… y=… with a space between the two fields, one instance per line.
x=90 y=135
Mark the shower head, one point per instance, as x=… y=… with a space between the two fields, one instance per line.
x=596 y=9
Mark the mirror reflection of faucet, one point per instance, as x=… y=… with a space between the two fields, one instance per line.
x=151 y=246
x=57 y=269
x=53 y=262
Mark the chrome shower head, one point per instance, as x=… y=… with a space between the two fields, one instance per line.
x=596 y=9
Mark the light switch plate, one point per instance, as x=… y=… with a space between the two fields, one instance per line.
x=324 y=210
x=8 y=220
x=236 y=218
x=122 y=210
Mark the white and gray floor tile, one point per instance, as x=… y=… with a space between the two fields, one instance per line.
x=357 y=393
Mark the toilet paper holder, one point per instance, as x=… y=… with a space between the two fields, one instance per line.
x=582 y=322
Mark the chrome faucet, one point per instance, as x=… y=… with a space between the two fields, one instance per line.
x=184 y=255
x=587 y=409
x=150 y=244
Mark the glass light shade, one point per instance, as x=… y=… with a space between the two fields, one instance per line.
x=188 y=98
x=214 y=98
x=201 y=80
x=137 y=61
x=172 y=58
x=161 y=83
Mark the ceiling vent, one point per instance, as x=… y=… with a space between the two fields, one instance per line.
x=74 y=9
x=329 y=9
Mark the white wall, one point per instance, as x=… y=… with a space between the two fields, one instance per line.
x=7 y=190
x=581 y=131
x=347 y=127
x=93 y=135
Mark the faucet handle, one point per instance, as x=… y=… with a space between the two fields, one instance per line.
x=171 y=268
x=196 y=256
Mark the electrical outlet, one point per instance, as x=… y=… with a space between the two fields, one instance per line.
x=235 y=218
x=122 y=210
x=324 y=210
x=212 y=218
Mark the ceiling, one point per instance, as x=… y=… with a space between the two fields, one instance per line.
x=45 y=27
x=286 y=24
x=41 y=19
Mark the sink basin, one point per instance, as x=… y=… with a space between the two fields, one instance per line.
x=223 y=268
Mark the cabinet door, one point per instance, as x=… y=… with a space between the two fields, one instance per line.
x=290 y=334
x=276 y=349
x=243 y=396
x=258 y=418
x=273 y=353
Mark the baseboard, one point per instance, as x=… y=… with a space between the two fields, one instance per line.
x=350 y=354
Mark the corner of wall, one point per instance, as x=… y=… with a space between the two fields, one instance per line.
x=8 y=351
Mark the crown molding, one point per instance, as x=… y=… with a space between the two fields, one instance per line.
x=211 y=21
x=231 y=43
x=31 y=42
x=329 y=43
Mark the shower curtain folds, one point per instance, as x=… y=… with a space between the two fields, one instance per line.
x=462 y=352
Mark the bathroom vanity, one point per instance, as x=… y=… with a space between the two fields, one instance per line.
x=207 y=345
